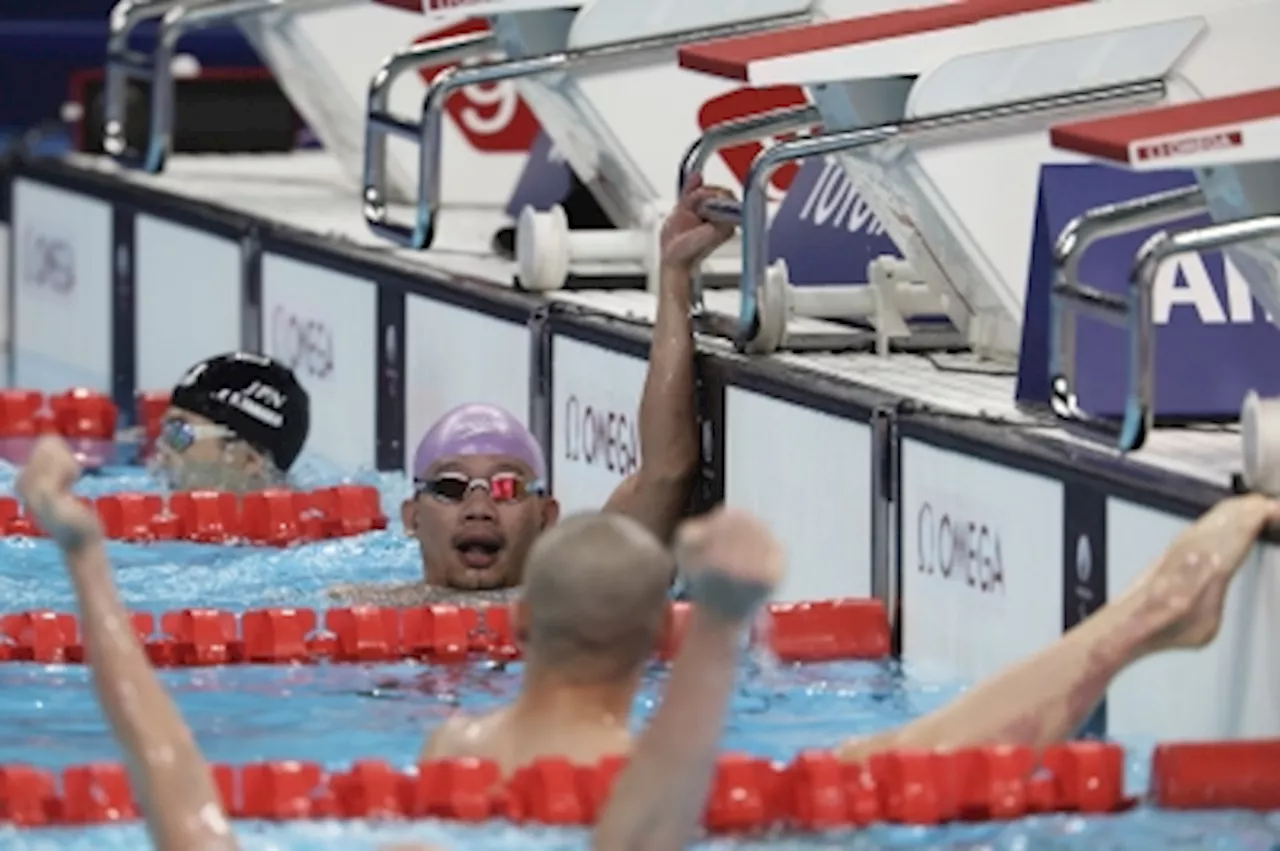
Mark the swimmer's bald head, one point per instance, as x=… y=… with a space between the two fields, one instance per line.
x=595 y=597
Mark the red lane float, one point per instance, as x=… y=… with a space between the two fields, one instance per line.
x=815 y=792
x=1217 y=775
x=276 y=517
x=87 y=419
x=441 y=634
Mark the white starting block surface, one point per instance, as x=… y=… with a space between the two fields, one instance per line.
x=387 y=340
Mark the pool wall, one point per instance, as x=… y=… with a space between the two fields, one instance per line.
x=986 y=541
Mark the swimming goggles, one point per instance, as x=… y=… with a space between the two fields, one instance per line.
x=178 y=435
x=501 y=487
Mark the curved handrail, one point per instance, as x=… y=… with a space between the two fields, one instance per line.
x=122 y=64
x=755 y=246
x=1158 y=250
x=737 y=131
x=381 y=123
x=1069 y=295
x=419 y=233
x=177 y=18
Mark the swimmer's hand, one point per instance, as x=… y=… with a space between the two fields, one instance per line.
x=730 y=562
x=687 y=238
x=45 y=486
x=1183 y=592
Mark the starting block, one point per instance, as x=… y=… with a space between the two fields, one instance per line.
x=1232 y=145
x=940 y=114
x=603 y=82
x=321 y=53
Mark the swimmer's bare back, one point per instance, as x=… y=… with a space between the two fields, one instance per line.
x=418 y=594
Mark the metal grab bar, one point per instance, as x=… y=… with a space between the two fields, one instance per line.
x=177 y=21
x=1069 y=296
x=749 y=128
x=736 y=132
x=420 y=233
x=381 y=123
x=124 y=65
x=755 y=248
x=1139 y=408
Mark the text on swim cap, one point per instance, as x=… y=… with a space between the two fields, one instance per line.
x=259 y=400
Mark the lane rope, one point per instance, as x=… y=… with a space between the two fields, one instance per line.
x=813 y=792
x=830 y=630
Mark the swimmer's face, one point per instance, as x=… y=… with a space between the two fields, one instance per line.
x=193 y=452
x=480 y=540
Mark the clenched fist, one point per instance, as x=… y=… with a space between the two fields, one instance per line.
x=730 y=560
x=45 y=486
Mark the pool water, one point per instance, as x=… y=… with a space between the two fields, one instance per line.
x=334 y=714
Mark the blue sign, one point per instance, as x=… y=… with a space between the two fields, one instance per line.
x=825 y=229
x=1213 y=341
x=545 y=181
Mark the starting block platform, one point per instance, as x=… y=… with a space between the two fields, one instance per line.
x=1231 y=145
x=1216 y=132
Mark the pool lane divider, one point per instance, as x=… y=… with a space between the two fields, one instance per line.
x=88 y=420
x=829 y=630
x=749 y=795
x=275 y=517
x=814 y=792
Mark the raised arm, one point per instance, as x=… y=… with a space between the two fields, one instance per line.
x=732 y=564
x=169 y=774
x=656 y=494
x=1175 y=604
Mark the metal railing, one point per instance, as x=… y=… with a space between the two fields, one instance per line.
x=755 y=202
x=176 y=20
x=419 y=233
x=380 y=124
x=124 y=65
x=1134 y=311
x=1070 y=297
x=738 y=131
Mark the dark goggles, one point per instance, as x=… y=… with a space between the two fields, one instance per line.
x=178 y=435
x=501 y=487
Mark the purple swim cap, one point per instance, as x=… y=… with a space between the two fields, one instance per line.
x=478 y=429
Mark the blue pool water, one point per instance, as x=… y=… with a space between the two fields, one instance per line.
x=336 y=714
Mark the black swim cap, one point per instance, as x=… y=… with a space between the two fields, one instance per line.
x=256 y=397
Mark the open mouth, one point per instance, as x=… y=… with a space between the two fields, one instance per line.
x=479 y=552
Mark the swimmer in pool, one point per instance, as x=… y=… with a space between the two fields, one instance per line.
x=732 y=565
x=591 y=611
x=480 y=497
x=236 y=422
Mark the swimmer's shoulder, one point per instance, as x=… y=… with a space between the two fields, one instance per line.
x=461 y=735
x=446 y=740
